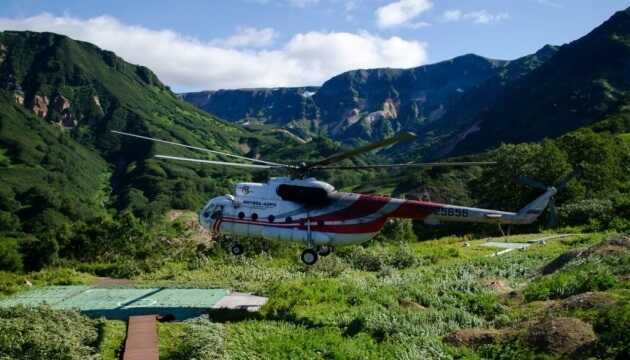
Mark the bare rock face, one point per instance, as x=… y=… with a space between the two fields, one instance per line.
x=389 y=112
x=62 y=106
x=3 y=53
x=563 y=336
x=19 y=98
x=97 y=102
x=40 y=105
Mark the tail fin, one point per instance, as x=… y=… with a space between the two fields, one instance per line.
x=533 y=210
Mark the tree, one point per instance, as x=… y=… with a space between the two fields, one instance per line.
x=10 y=257
x=39 y=253
x=497 y=188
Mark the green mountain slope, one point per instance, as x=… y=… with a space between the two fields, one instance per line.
x=59 y=99
x=586 y=81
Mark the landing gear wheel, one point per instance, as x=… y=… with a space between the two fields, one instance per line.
x=324 y=251
x=309 y=256
x=236 y=249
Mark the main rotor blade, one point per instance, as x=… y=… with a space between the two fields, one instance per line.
x=222 y=163
x=404 y=136
x=197 y=148
x=380 y=166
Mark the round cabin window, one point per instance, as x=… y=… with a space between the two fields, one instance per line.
x=271 y=218
x=241 y=215
x=254 y=216
x=288 y=219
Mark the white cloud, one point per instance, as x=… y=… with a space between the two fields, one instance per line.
x=249 y=37
x=400 y=12
x=477 y=17
x=186 y=63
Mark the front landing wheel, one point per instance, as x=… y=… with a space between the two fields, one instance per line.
x=309 y=256
x=236 y=249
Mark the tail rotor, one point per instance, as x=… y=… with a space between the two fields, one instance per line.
x=562 y=183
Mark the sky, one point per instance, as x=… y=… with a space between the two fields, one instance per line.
x=216 y=44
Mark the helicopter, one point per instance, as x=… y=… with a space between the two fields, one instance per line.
x=302 y=209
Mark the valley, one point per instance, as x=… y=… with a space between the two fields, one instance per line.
x=79 y=203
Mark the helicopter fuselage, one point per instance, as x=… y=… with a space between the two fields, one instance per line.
x=312 y=212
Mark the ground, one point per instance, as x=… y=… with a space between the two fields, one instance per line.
x=445 y=298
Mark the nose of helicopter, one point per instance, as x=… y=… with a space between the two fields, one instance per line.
x=205 y=214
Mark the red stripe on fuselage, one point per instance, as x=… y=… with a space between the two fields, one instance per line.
x=363 y=206
x=416 y=210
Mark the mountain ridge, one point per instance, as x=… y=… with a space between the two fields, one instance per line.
x=341 y=106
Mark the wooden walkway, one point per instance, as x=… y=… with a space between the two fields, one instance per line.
x=142 y=338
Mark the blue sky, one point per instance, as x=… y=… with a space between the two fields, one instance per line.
x=197 y=44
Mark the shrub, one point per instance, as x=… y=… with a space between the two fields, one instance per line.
x=403 y=258
x=202 y=340
x=9 y=222
x=586 y=277
x=10 y=257
x=484 y=304
x=367 y=259
x=43 y=333
x=612 y=326
x=582 y=212
x=38 y=253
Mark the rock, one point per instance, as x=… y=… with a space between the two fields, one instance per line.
x=475 y=337
x=19 y=98
x=587 y=300
x=40 y=105
x=498 y=286
x=410 y=305
x=3 y=51
x=562 y=336
x=611 y=247
x=62 y=106
x=28 y=283
x=61 y=103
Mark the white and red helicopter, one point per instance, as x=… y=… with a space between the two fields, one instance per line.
x=303 y=209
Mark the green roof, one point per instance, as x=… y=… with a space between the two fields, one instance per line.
x=120 y=303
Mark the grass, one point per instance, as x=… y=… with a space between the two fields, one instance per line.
x=378 y=301
x=11 y=283
x=112 y=335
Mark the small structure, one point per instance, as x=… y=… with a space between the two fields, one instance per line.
x=122 y=302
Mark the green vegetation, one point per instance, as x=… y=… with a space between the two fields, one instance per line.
x=385 y=300
x=111 y=337
x=79 y=202
x=46 y=334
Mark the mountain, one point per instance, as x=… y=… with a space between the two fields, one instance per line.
x=360 y=104
x=584 y=82
x=59 y=99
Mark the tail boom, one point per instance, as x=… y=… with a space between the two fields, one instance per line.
x=436 y=213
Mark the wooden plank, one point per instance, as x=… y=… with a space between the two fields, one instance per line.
x=142 y=338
